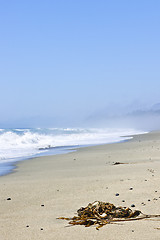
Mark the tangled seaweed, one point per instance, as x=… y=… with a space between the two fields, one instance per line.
x=102 y=213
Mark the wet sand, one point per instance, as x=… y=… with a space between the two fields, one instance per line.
x=42 y=189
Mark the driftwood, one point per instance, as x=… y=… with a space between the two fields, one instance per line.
x=102 y=213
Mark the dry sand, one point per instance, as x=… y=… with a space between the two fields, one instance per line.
x=45 y=188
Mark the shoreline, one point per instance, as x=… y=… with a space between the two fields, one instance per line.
x=45 y=188
x=9 y=167
x=33 y=143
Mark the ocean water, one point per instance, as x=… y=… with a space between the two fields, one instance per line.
x=21 y=144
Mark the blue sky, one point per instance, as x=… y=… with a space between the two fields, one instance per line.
x=62 y=61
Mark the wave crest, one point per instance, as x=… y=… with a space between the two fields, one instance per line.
x=22 y=143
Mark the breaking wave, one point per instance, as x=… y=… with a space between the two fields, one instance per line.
x=16 y=144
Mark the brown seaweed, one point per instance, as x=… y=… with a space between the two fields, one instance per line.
x=102 y=213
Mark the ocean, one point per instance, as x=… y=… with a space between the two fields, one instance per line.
x=21 y=144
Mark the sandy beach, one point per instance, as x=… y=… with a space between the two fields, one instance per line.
x=42 y=189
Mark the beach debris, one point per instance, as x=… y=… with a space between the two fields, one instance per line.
x=143 y=203
x=102 y=213
x=155 y=199
x=151 y=170
x=117 y=194
x=132 y=205
x=117 y=163
x=9 y=199
x=131 y=188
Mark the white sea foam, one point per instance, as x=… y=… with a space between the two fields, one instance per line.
x=24 y=143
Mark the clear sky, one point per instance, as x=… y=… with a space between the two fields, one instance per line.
x=64 y=60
